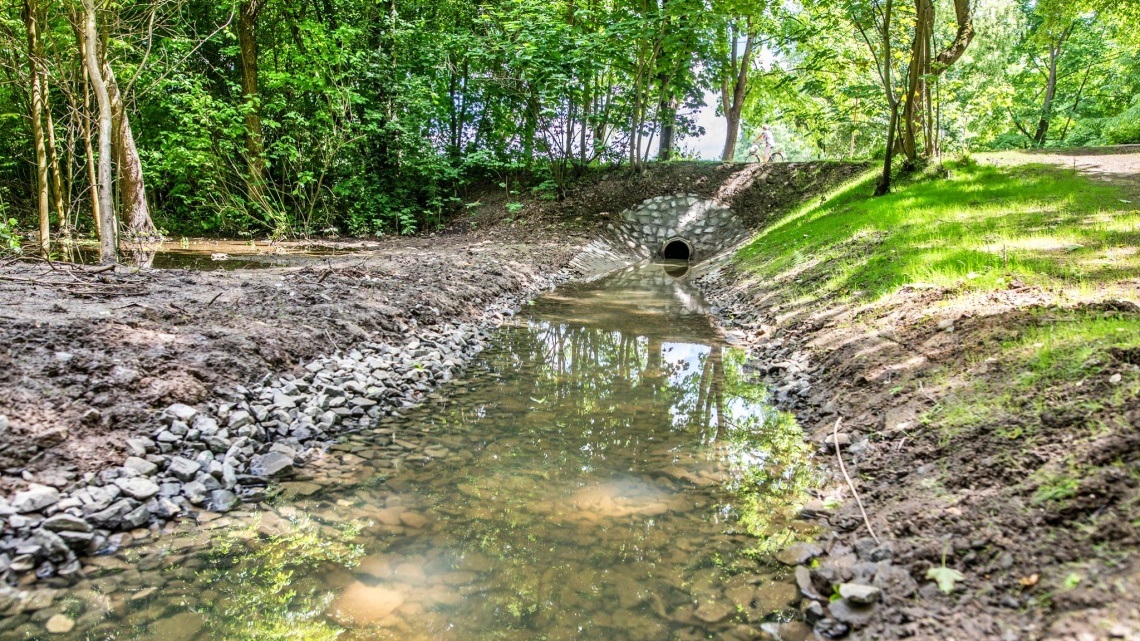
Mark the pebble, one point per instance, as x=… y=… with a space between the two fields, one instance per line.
x=850 y=613
x=139 y=488
x=59 y=624
x=214 y=454
x=35 y=498
x=860 y=594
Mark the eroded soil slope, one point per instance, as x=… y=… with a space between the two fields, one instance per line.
x=87 y=360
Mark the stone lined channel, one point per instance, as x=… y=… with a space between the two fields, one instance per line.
x=603 y=470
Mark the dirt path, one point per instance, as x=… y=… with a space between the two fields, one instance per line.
x=1120 y=164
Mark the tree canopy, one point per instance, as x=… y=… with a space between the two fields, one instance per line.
x=297 y=118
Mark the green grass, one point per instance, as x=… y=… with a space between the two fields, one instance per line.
x=979 y=229
x=1055 y=363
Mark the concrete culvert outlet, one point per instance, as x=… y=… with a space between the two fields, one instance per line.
x=677 y=249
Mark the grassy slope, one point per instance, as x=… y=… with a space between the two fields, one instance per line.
x=1044 y=386
x=981 y=228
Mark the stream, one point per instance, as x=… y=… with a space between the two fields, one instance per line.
x=603 y=470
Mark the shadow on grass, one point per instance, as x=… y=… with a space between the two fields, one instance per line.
x=982 y=226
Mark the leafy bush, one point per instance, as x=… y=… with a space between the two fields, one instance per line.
x=1125 y=128
x=9 y=237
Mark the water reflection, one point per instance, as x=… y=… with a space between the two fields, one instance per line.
x=604 y=471
x=198 y=254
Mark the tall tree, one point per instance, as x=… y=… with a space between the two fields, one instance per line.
x=254 y=148
x=88 y=43
x=734 y=71
x=924 y=68
x=36 y=70
x=132 y=186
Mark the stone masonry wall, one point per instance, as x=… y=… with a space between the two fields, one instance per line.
x=641 y=232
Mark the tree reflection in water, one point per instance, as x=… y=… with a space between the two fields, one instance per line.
x=608 y=458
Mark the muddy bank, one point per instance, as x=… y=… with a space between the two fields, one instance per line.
x=97 y=354
x=969 y=506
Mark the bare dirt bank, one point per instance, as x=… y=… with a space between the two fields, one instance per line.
x=90 y=357
x=971 y=448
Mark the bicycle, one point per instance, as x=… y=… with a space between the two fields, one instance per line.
x=762 y=156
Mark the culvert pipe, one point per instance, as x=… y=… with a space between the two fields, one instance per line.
x=677 y=249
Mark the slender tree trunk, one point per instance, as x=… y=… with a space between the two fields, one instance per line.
x=919 y=60
x=924 y=66
x=1050 y=92
x=54 y=164
x=31 y=15
x=247 y=41
x=132 y=187
x=85 y=124
x=884 y=186
x=732 y=95
x=108 y=230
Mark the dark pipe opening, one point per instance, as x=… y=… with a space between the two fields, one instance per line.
x=677 y=250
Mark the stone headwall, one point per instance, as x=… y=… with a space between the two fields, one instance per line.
x=642 y=232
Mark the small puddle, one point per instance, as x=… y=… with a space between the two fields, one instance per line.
x=604 y=470
x=205 y=254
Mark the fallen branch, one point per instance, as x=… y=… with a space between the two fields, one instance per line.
x=843 y=468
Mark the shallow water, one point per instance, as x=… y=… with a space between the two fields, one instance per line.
x=604 y=470
x=203 y=254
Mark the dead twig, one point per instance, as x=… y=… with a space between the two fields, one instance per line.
x=216 y=297
x=843 y=468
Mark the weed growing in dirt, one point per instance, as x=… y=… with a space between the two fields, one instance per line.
x=1065 y=367
x=981 y=229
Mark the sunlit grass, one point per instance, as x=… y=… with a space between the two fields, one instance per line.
x=980 y=229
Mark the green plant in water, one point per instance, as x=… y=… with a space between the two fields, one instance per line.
x=259 y=577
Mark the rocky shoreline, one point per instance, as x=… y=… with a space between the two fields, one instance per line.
x=213 y=456
x=847 y=577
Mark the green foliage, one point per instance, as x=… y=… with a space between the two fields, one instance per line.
x=1125 y=128
x=9 y=236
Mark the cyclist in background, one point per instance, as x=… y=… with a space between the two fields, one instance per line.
x=768 y=140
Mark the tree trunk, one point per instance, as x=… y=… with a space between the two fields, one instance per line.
x=54 y=164
x=919 y=61
x=85 y=125
x=884 y=186
x=108 y=229
x=668 y=116
x=132 y=188
x=924 y=67
x=1050 y=92
x=35 y=85
x=732 y=97
x=247 y=41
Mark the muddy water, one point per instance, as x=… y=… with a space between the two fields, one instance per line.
x=204 y=254
x=604 y=470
